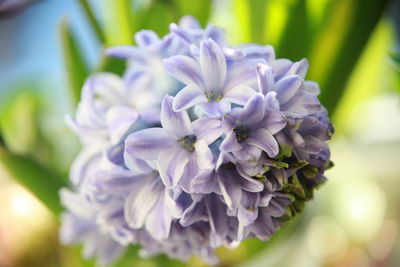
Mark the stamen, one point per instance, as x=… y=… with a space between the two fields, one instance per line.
x=241 y=133
x=212 y=97
x=188 y=142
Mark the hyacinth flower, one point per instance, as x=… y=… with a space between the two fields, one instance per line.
x=179 y=147
x=251 y=128
x=229 y=148
x=210 y=81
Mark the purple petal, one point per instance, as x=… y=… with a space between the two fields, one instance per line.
x=139 y=204
x=171 y=165
x=119 y=120
x=302 y=104
x=287 y=87
x=248 y=152
x=137 y=165
x=204 y=182
x=207 y=129
x=253 y=111
x=312 y=144
x=188 y=97
x=248 y=210
x=125 y=52
x=215 y=109
x=230 y=143
x=218 y=220
x=239 y=94
x=205 y=158
x=158 y=222
x=184 y=69
x=281 y=67
x=147 y=144
x=299 y=68
x=259 y=51
x=195 y=212
x=265 y=77
x=176 y=124
x=146 y=37
x=312 y=87
x=243 y=73
x=231 y=192
x=265 y=141
x=213 y=64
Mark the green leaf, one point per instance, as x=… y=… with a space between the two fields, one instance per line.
x=42 y=182
x=335 y=55
x=92 y=20
x=118 y=22
x=111 y=64
x=20 y=123
x=199 y=9
x=77 y=68
x=296 y=38
x=156 y=16
x=257 y=12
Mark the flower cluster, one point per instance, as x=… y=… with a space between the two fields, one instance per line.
x=198 y=145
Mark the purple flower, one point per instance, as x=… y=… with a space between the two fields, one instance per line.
x=179 y=148
x=198 y=145
x=251 y=129
x=210 y=80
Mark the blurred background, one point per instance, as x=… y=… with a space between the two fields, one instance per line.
x=48 y=47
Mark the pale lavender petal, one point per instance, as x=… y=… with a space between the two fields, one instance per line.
x=158 y=222
x=302 y=105
x=188 y=97
x=299 y=68
x=281 y=67
x=213 y=65
x=125 y=52
x=195 y=213
x=265 y=79
x=146 y=37
x=239 y=94
x=139 y=204
x=215 y=109
x=231 y=192
x=265 y=141
x=207 y=129
x=287 y=87
x=147 y=144
x=248 y=210
x=242 y=73
x=176 y=124
x=248 y=152
x=119 y=120
x=230 y=143
x=205 y=158
x=253 y=111
x=171 y=165
x=204 y=182
x=184 y=69
x=312 y=87
x=217 y=219
x=248 y=183
x=312 y=144
x=259 y=51
x=137 y=165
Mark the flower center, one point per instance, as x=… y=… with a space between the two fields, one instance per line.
x=241 y=133
x=212 y=97
x=188 y=142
